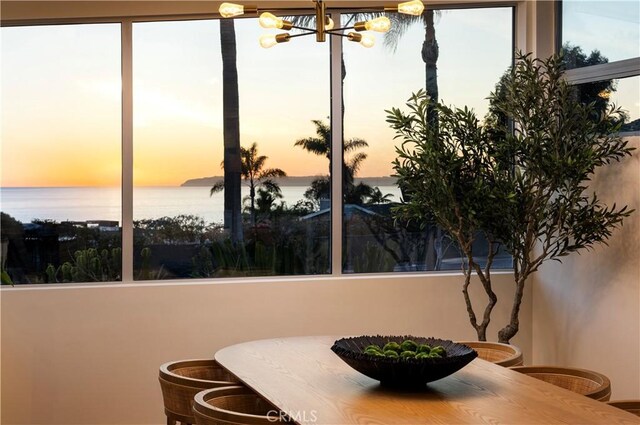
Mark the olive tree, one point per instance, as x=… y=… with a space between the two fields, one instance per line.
x=553 y=143
x=448 y=176
x=520 y=178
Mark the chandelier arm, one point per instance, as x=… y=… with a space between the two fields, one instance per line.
x=302 y=34
x=337 y=30
x=339 y=33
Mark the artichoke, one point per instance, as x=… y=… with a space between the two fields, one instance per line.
x=408 y=345
x=394 y=346
x=424 y=348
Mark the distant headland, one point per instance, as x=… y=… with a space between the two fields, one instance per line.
x=294 y=181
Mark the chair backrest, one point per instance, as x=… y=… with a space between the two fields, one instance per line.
x=181 y=380
x=236 y=405
x=495 y=352
x=586 y=382
x=631 y=406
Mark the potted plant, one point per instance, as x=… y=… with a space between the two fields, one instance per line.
x=520 y=178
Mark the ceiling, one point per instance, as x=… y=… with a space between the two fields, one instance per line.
x=25 y=10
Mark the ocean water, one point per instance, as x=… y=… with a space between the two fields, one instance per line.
x=102 y=203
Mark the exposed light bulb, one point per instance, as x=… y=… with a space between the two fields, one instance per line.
x=270 y=40
x=367 y=40
x=229 y=10
x=381 y=24
x=329 y=24
x=414 y=7
x=269 y=20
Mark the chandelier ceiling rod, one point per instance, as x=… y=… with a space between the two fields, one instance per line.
x=324 y=23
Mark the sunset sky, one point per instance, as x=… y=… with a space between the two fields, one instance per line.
x=61 y=93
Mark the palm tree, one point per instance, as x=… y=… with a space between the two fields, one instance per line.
x=231 y=129
x=253 y=172
x=400 y=23
x=376 y=197
x=267 y=196
x=319 y=189
x=320 y=144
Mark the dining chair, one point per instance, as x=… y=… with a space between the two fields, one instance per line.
x=506 y=355
x=181 y=380
x=236 y=405
x=586 y=382
x=631 y=406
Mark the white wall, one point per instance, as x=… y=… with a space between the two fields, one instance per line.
x=587 y=310
x=90 y=355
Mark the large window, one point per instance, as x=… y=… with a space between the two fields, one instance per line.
x=60 y=189
x=463 y=69
x=183 y=228
x=231 y=147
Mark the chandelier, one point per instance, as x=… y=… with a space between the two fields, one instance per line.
x=324 y=23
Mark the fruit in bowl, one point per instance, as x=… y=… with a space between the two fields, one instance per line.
x=403 y=361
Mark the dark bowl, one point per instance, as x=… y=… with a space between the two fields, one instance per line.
x=403 y=372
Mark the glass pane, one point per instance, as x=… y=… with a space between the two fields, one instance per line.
x=595 y=32
x=469 y=63
x=179 y=145
x=627 y=96
x=61 y=139
x=623 y=93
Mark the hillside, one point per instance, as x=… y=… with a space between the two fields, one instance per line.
x=293 y=181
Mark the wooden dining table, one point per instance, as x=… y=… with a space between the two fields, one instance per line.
x=303 y=378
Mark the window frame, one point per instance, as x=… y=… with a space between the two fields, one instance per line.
x=607 y=71
x=519 y=37
x=619 y=69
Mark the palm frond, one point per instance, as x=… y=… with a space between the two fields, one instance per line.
x=272 y=188
x=252 y=151
x=308 y=21
x=355 y=162
x=322 y=130
x=272 y=172
x=400 y=24
x=217 y=187
x=361 y=16
x=314 y=145
x=354 y=144
x=377 y=197
x=258 y=163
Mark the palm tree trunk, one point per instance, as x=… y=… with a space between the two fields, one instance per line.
x=430 y=53
x=231 y=125
x=252 y=195
x=343 y=68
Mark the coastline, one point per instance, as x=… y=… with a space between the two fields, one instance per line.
x=293 y=181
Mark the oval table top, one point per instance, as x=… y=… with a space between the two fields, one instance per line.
x=306 y=380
